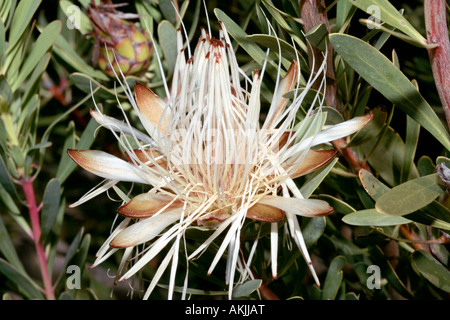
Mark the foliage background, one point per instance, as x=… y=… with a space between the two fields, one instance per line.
x=48 y=112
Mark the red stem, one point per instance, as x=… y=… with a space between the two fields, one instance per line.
x=437 y=34
x=27 y=186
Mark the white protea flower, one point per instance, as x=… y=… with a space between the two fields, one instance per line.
x=210 y=163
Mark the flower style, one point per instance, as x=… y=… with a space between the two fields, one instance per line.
x=210 y=163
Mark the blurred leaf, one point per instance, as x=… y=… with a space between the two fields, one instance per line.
x=41 y=46
x=50 y=207
x=24 y=284
x=168 y=10
x=245 y=289
x=5 y=179
x=65 y=51
x=7 y=248
x=68 y=7
x=334 y=278
x=312 y=229
x=385 y=77
x=167 y=35
x=431 y=269
x=343 y=9
x=389 y=14
x=371 y=217
x=410 y=196
x=388 y=271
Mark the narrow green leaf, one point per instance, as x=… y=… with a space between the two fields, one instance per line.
x=318 y=36
x=50 y=207
x=382 y=74
x=66 y=165
x=24 y=284
x=249 y=46
x=312 y=229
x=334 y=278
x=388 y=271
x=411 y=142
x=168 y=11
x=371 y=217
x=431 y=269
x=410 y=196
x=167 y=33
x=7 y=248
x=245 y=289
x=21 y=20
x=5 y=180
x=65 y=51
x=317 y=177
x=383 y=10
x=41 y=46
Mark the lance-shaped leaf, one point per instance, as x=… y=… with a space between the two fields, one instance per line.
x=410 y=196
x=106 y=165
x=147 y=204
x=385 y=77
x=301 y=207
x=431 y=269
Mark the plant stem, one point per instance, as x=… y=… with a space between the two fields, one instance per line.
x=437 y=34
x=27 y=186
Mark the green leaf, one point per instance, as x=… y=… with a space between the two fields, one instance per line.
x=388 y=271
x=67 y=165
x=71 y=10
x=312 y=229
x=317 y=177
x=249 y=46
x=410 y=196
x=21 y=21
x=431 y=269
x=24 y=284
x=65 y=51
x=41 y=46
x=389 y=14
x=425 y=166
x=245 y=289
x=7 y=248
x=50 y=207
x=168 y=10
x=386 y=157
x=371 y=217
x=318 y=36
x=385 y=77
x=411 y=142
x=334 y=278
x=167 y=34
x=5 y=179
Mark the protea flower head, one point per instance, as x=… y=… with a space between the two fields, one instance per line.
x=119 y=44
x=209 y=162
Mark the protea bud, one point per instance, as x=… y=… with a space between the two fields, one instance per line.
x=119 y=44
